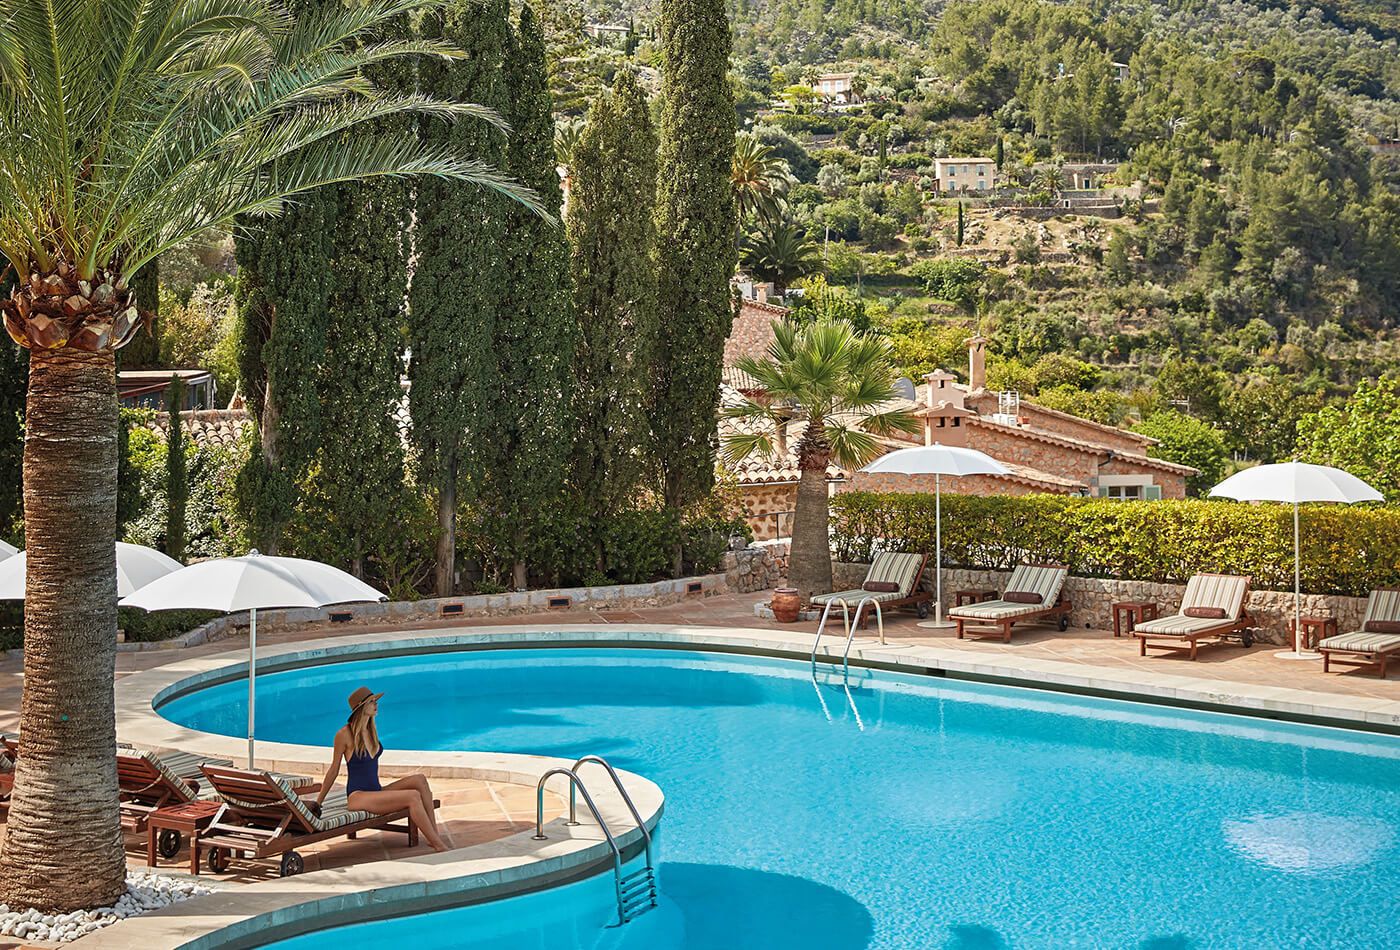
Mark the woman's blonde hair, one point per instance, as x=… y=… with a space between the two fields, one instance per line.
x=364 y=738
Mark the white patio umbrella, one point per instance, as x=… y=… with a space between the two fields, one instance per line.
x=252 y=583
x=7 y=550
x=137 y=566
x=1295 y=482
x=937 y=460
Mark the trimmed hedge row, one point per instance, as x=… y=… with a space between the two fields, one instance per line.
x=1345 y=550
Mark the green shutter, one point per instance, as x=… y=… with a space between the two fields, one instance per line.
x=1152 y=492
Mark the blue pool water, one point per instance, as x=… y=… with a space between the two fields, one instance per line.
x=909 y=812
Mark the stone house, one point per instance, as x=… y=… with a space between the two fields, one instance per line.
x=836 y=87
x=1046 y=451
x=964 y=174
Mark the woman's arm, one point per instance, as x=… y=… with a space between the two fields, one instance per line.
x=334 y=770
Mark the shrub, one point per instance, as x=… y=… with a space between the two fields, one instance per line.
x=1345 y=550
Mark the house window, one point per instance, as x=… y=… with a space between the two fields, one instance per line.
x=952 y=171
x=1123 y=492
x=956 y=422
x=982 y=184
x=981 y=170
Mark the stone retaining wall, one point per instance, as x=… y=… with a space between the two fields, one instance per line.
x=1092 y=598
x=754 y=568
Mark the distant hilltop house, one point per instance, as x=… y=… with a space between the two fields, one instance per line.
x=836 y=87
x=1046 y=451
x=964 y=174
x=1120 y=72
x=1085 y=176
x=609 y=32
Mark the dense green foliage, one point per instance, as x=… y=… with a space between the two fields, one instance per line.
x=177 y=476
x=612 y=235
x=525 y=430
x=696 y=222
x=1361 y=436
x=458 y=282
x=1345 y=550
x=1187 y=440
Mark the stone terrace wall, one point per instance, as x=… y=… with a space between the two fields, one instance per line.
x=758 y=567
x=1092 y=598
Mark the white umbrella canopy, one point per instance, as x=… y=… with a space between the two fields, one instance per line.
x=137 y=566
x=937 y=460
x=7 y=550
x=253 y=582
x=1294 y=483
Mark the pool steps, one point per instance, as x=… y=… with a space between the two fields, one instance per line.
x=636 y=892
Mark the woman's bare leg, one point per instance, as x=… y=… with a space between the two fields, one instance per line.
x=387 y=801
x=419 y=784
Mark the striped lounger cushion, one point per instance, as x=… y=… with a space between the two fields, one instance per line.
x=900 y=569
x=330 y=819
x=1043 y=579
x=1381 y=605
x=1223 y=591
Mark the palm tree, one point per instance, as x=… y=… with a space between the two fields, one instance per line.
x=780 y=252
x=836 y=384
x=761 y=179
x=566 y=135
x=133 y=126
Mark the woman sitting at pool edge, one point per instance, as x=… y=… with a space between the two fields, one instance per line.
x=357 y=742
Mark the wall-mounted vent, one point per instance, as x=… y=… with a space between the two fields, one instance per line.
x=451 y=610
x=341 y=616
x=560 y=603
x=694 y=587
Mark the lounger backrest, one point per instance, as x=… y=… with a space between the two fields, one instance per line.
x=1043 y=579
x=901 y=569
x=142 y=776
x=260 y=798
x=1383 y=604
x=1226 y=591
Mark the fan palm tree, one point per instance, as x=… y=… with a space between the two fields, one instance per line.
x=761 y=179
x=130 y=127
x=838 y=385
x=780 y=252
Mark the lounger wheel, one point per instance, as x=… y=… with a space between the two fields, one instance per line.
x=1247 y=638
x=218 y=860
x=292 y=864
x=922 y=610
x=1064 y=622
x=168 y=843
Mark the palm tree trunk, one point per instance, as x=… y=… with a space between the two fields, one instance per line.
x=810 y=570
x=63 y=844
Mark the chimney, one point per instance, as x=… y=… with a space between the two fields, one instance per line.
x=977 y=363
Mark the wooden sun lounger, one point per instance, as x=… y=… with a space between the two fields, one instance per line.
x=997 y=617
x=1226 y=592
x=263 y=816
x=1367 y=646
x=147 y=781
x=889 y=567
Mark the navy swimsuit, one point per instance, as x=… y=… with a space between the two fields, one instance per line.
x=362 y=772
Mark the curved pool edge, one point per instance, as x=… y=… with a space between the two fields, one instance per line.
x=251 y=915
x=139 y=695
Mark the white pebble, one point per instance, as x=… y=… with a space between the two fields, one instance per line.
x=145 y=892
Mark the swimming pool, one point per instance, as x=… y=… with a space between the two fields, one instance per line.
x=904 y=812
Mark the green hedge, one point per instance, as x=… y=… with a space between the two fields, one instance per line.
x=1345 y=550
x=140 y=626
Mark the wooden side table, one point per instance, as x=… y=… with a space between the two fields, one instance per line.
x=972 y=596
x=1315 y=629
x=166 y=825
x=1127 y=614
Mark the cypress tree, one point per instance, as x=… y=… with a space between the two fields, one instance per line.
x=284 y=280
x=360 y=462
x=1001 y=152
x=457 y=282
x=144 y=349
x=177 y=482
x=961 y=223
x=526 y=431
x=612 y=232
x=696 y=220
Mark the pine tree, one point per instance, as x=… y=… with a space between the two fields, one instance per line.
x=525 y=430
x=458 y=286
x=360 y=463
x=177 y=482
x=612 y=232
x=696 y=219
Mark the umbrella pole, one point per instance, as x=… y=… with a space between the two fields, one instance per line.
x=937 y=623
x=252 y=678
x=1297 y=586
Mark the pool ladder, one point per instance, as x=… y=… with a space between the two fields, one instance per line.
x=850 y=630
x=636 y=892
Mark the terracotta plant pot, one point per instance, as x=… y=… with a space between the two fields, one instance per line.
x=787 y=604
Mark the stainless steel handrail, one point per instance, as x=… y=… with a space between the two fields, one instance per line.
x=575 y=783
x=821 y=624
x=851 y=633
x=627 y=799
